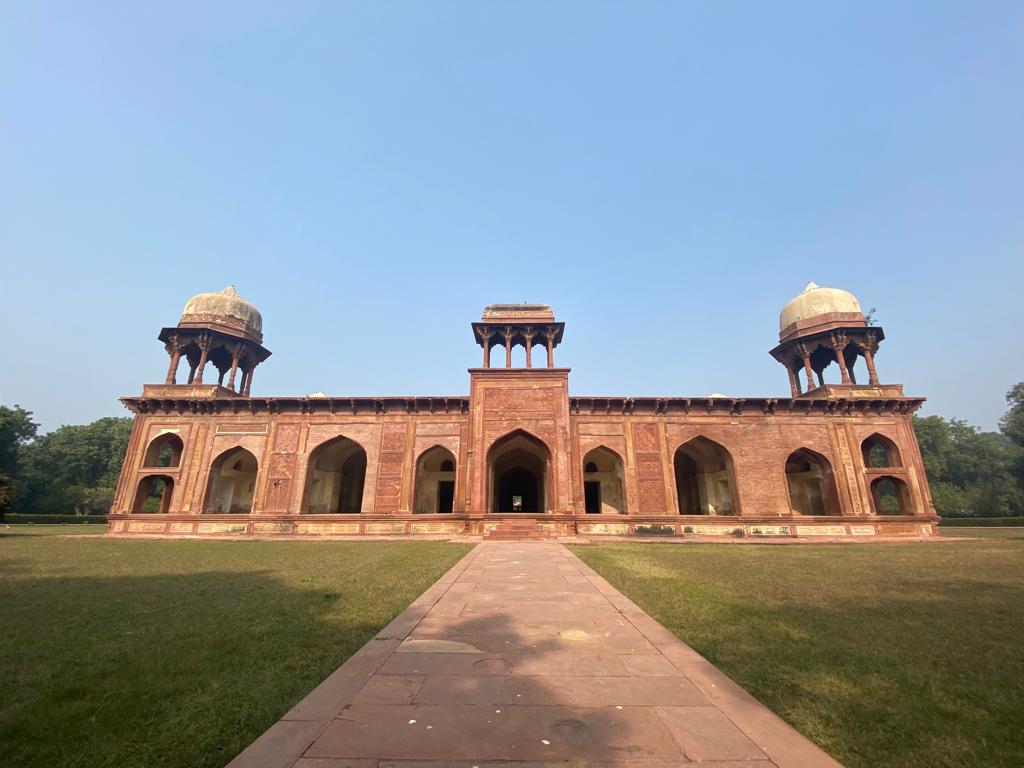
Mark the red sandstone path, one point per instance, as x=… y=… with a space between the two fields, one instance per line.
x=521 y=655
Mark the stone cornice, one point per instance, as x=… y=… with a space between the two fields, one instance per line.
x=459 y=405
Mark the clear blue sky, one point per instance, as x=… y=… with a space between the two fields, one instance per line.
x=370 y=175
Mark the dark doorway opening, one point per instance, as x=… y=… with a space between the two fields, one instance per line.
x=592 y=496
x=518 y=473
x=518 y=491
x=445 y=496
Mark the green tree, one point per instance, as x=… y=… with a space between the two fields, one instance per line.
x=16 y=430
x=74 y=468
x=970 y=472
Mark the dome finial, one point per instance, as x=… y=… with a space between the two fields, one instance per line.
x=229 y=290
x=811 y=286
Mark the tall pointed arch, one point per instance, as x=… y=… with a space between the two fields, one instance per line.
x=604 y=491
x=335 y=478
x=704 y=478
x=518 y=473
x=434 y=490
x=232 y=483
x=811 y=484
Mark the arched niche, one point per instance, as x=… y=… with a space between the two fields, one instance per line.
x=232 y=483
x=811 y=485
x=153 y=495
x=435 y=482
x=164 y=451
x=704 y=482
x=890 y=496
x=518 y=473
x=335 y=478
x=603 y=488
x=880 y=452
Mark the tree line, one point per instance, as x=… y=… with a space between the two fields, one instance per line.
x=74 y=469
x=71 y=470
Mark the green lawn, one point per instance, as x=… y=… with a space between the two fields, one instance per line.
x=179 y=653
x=52 y=530
x=983 y=533
x=900 y=655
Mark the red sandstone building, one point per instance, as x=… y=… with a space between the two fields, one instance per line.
x=206 y=457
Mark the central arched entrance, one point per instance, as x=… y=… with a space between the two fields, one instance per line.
x=518 y=465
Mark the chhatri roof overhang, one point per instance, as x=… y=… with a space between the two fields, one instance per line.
x=518 y=324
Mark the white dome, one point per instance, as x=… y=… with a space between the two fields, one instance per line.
x=814 y=301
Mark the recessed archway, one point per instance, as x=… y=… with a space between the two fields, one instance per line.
x=518 y=474
x=335 y=478
x=232 y=483
x=890 y=496
x=435 y=482
x=164 y=451
x=812 y=488
x=603 y=489
x=153 y=495
x=704 y=484
x=880 y=452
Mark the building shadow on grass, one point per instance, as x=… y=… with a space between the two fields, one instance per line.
x=170 y=670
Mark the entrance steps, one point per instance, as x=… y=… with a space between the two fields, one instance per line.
x=510 y=530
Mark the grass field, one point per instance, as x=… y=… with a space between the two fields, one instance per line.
x=179 y=653
x=900 y=655
x=983 y=533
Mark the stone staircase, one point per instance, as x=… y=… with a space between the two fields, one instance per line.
x=511 y=530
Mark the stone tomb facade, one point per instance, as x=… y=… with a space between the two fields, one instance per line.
x=519 y=451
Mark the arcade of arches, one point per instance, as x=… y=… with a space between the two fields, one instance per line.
x=837 y=458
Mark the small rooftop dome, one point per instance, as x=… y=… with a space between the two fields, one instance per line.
x=815 y=301
x=224 y=307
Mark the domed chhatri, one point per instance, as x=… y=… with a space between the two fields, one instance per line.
x=221 y=329
x=226 y=308
x=818 y=304
x=821 y=326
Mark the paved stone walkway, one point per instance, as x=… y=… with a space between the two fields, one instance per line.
x=523 y=656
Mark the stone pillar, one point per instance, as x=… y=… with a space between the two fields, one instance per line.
x=551 y=347
x=838 y=345
x=802 y=351
x=241 y=384
x=191 y=373
x=174 y=350
x=204 y=343
x=248 y=381
x=794 y=382
x=869 y=359
x=529 y=347
x=234 y=366
x=487 y=351
x=508 y=347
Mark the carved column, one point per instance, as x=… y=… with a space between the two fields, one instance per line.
x=241 y=384
x=235 y=356
x=174 y=350
x=550 y=333
x=869 y=359
x=485 y=341
x=205 y=341
x=794 y=382
x=529 y=347
x=801 y=349
x=508 y=347
x=838 y=345
x=248 y=381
